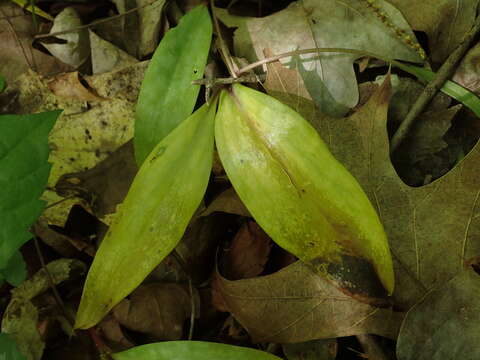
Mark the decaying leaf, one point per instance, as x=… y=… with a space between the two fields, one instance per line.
x=228 y=202
x=21 y=316
x=444 y=324
x=324 y=349
x=444 y=21
x=248 y=252
x=161 y=201
x=306 y=24
x=77 y=47
x=149 y=21
x=306 y=201
x=158 y=309
x=106 y=56
x=432 y=229
x=69 y=86
x=16 y=40
x=295 y=305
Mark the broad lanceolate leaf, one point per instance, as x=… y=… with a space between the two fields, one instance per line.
x=192 y=350
x=167 y=95
x=296 y=190
x=150 y=222
x=23 y=175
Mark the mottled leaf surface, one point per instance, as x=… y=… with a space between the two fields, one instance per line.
x=445 y=324
x=167 y=96
x=153 y=217
x=432 y=230
x=294 y=305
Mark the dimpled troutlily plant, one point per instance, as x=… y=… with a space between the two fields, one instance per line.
x=303 y=198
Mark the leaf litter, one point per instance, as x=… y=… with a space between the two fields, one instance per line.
x=431 y=228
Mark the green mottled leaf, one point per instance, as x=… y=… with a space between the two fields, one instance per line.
x=167 y=95
x=192 y=350
x=8 y=349
x=23 y=175
x=293 y=186
x=152 y=219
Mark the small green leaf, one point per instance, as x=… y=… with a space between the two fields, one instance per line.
x=24 y=171
x=167 y=96
x=192 y=350
x=16 y=271
x=297 y=191
x=152 y=219
x=9 y=349
x=459 y=93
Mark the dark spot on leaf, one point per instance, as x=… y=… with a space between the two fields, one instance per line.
x=195 y=71
x=72 y=159
x=97 y=153
x=104 y=123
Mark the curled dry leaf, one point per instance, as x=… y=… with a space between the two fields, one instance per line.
x=77 y=47
x=158 y=309
x=295 y=305
x=248 y=253
x=227 y=202
x=70 y=87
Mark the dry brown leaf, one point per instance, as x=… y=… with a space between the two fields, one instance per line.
x=295 y=305
x=158 y=309
x=70 y=87
x=227 y=202
x=248 y=253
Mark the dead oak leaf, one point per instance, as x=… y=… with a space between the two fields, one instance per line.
x=432 y=230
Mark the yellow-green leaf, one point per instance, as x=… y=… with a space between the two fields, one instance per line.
x=192 y=350
x=293 y=186
x=152 y=219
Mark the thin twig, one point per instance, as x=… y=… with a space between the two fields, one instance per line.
x=56 y=295
x=223 y=46
x=95 y=23
x=310 y=51
x=192 y=312
x=231 y=80
x=445 y=71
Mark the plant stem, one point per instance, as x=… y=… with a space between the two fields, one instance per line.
x=310 y=51
x=445 y=71
x=231 y=80
x=227 y=58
